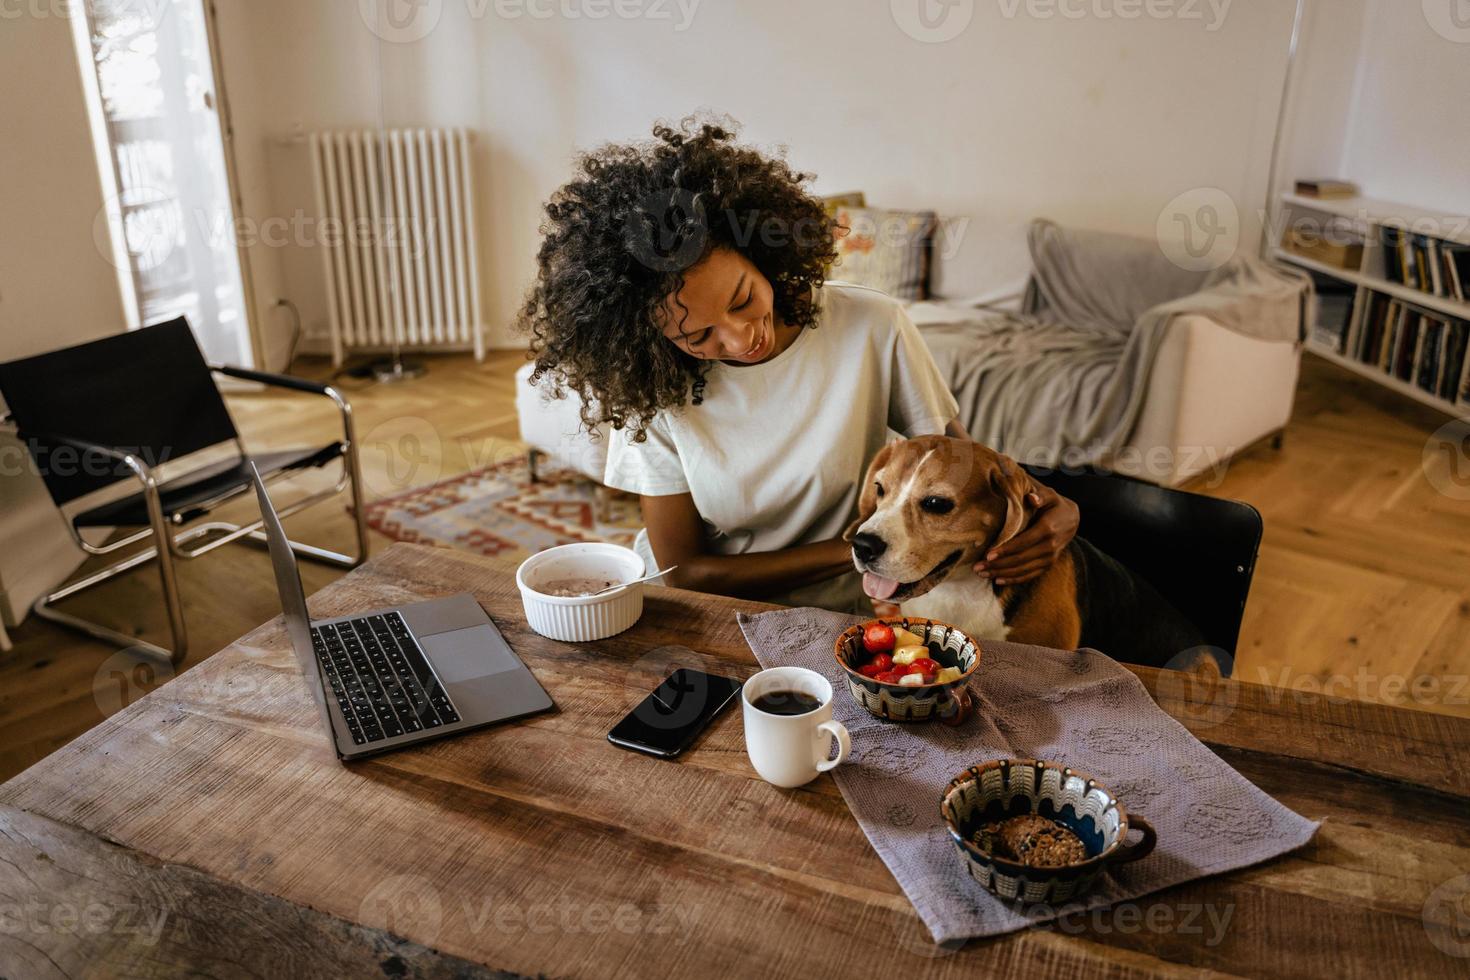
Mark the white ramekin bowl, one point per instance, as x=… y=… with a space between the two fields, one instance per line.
x=577 y=619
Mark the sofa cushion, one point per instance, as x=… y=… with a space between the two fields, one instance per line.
x=887 y=250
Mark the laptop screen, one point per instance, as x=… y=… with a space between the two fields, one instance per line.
x=293 y=596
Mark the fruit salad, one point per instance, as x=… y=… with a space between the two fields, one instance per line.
x=896 y=656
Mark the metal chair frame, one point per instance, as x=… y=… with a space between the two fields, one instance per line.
x=168 y=545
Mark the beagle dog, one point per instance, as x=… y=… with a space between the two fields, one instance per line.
x=932 y=506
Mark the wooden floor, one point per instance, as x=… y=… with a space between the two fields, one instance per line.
x=1363 y=582
x=1362 y=588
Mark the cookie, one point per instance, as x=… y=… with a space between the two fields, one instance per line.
x=1031 y=840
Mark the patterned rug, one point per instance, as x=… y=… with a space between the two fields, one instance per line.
x=498 y=511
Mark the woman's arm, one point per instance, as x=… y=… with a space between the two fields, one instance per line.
x=676 y=534
x=1039 y=544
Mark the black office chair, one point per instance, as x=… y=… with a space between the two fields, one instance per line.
x=117 y=409
x=1199 y=552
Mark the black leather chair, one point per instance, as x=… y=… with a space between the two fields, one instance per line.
x=117 y=409
x=1199 y=552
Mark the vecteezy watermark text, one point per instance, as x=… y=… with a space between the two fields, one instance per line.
x=408 y=21
x=1211 y=13
x=936 y=21
x=1426 y=690
x=410 y=905
x=140 y=15
x=36 y=918
x=1450 y=19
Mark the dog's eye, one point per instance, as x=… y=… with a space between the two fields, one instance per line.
x=937 y=505
x=880 y=489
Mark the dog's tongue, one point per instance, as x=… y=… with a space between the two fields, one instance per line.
x=878 y=587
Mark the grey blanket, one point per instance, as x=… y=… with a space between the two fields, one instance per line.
x=1064 y=380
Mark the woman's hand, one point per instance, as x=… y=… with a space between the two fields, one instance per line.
x=1039 y=544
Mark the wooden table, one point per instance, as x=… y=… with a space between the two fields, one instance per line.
x=208 y=828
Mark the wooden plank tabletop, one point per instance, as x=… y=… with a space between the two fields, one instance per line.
x=209 y=828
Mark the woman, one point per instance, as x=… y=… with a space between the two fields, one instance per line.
x=682 y=293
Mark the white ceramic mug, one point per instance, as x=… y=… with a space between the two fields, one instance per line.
x=792 y=750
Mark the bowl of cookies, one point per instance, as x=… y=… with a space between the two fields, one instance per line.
x=908 y=669
x=1038 y=831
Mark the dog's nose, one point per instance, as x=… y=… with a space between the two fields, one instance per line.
x=868 y=546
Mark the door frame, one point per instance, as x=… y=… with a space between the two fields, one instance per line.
x=232 y=181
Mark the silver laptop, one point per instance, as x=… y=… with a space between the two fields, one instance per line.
x=403 y=675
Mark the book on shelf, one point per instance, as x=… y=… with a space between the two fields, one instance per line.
x=1426 y=362
x=1440 y=374
x=1457 y=269
x=1417 y=347
x=1457 y=341
x=1326 y=188
x=1436 y=266
x=1441 y=358
x=1393 y=338
x=1431 y=265
x=1370 y=333
x=1406 y=345
x=1397 y=254
x=1377 y=353
x=1462 y=363
x=1401 y=318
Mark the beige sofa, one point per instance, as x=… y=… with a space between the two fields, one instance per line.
x=553 y=429
x=1213 y=393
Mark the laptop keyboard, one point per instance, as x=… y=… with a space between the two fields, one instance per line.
x=380 y=677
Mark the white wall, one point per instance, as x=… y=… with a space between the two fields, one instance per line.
x=289 y=66
x=1380 y=100
x=1325 y=83
x=1409 y=137
x=1096 y=120
x=57 y=286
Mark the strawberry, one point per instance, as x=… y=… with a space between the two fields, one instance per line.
x=878 y=638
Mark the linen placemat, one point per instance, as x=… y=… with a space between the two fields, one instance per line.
x=1079 y=708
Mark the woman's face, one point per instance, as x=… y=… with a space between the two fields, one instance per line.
x=724 y=311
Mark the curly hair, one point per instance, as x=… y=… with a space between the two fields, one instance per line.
x=617 y=241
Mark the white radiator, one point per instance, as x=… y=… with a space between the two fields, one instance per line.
x=399 y=243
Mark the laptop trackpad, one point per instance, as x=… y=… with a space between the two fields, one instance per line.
x=462 y=655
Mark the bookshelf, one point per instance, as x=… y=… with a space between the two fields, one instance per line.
x=1399 y=318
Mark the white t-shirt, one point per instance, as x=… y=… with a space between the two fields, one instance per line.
x=774 y=455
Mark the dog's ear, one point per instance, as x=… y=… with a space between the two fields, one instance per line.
x=1013 y=485
x=868 y=498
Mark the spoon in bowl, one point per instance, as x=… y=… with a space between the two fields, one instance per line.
x=635 y=581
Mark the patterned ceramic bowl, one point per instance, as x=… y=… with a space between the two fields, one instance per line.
x=1006 y=788
x=949 y=702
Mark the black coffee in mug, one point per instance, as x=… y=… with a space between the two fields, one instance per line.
x=786 y=703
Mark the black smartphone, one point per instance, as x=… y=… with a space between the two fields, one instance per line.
x=667 y=721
